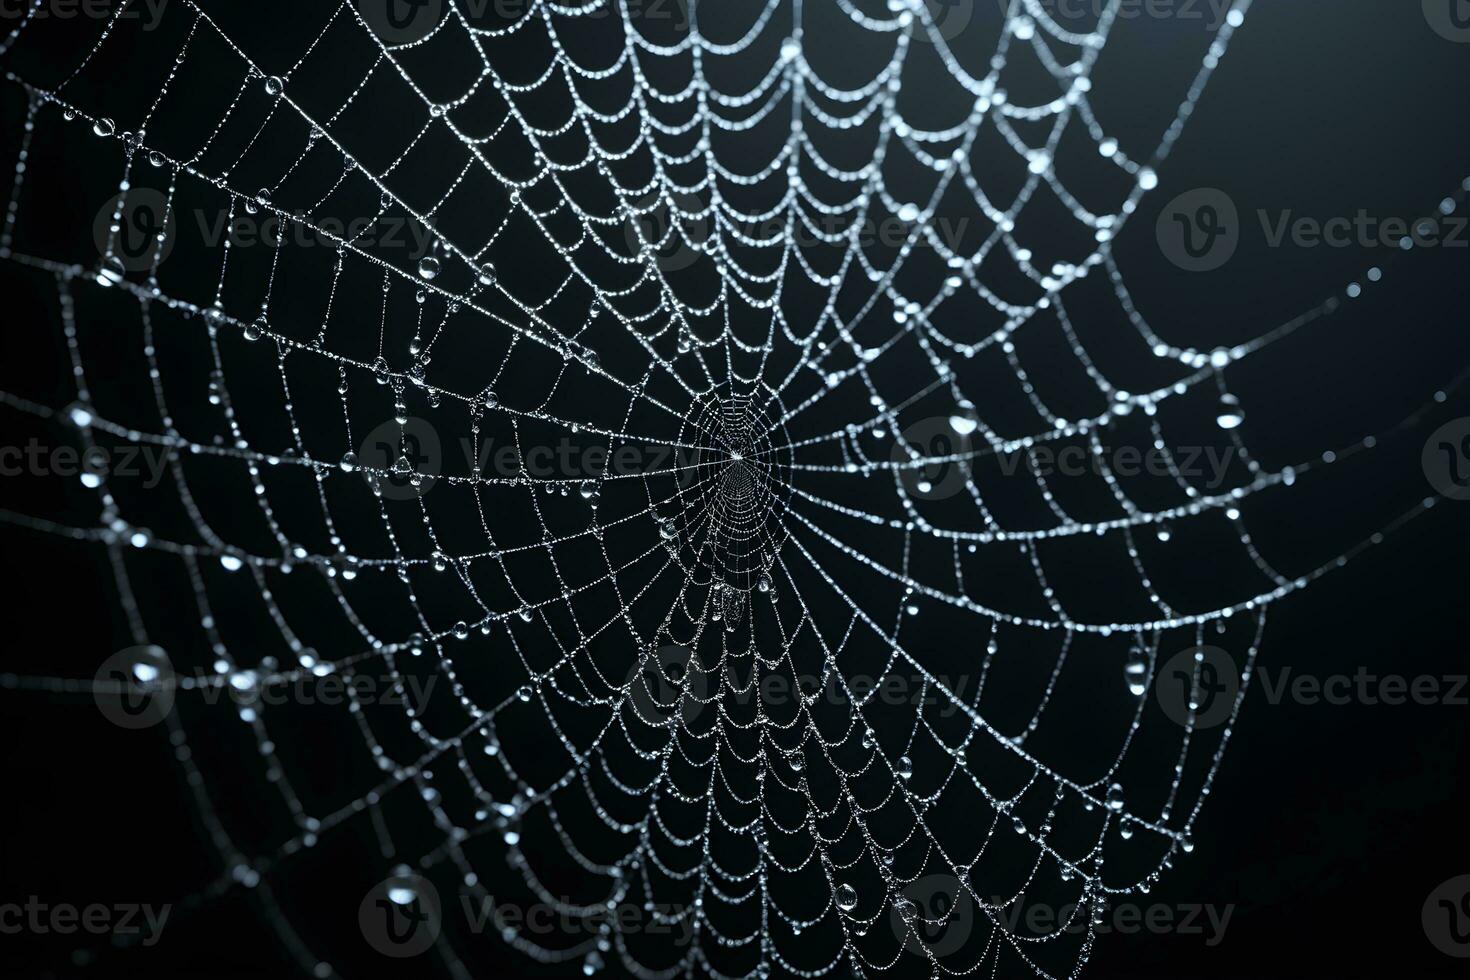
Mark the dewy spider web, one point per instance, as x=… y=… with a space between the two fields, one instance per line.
x=692 y=656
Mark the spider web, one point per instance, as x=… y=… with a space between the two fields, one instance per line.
x=812 y=680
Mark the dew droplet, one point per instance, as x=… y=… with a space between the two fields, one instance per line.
x=428 y=267
x=1229 y=415
x=846 y=897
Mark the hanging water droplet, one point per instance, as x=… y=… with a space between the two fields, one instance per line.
x=348 y=462
x=1115 y=797
x=1163 y=531
x=252 y=330
x=103 y=127
x=1229 y=415
x=965 y=419
x=487 y=274
x=428 y=267
x=274 y=86
x=380 y=370
x=461 y=630
x=905 y=767
x=1135 y=672
x=231 y=563
x=763 y=582
x=524 y=692
x=155 y=158
x=846 y=897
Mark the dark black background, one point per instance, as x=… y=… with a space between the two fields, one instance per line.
x=1329 y=825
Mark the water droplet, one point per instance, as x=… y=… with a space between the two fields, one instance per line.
x=1115 y=797
x=103 y=127
x=965 y=419
x=905 y=767
x=846 y=897
x=428 y=267
x=487 y=274
x=524 y=692
x=1135 y=672
x=1229 y=415
x=349 y=462
x=763 y=582
x=461 y=631
x=274 y=86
